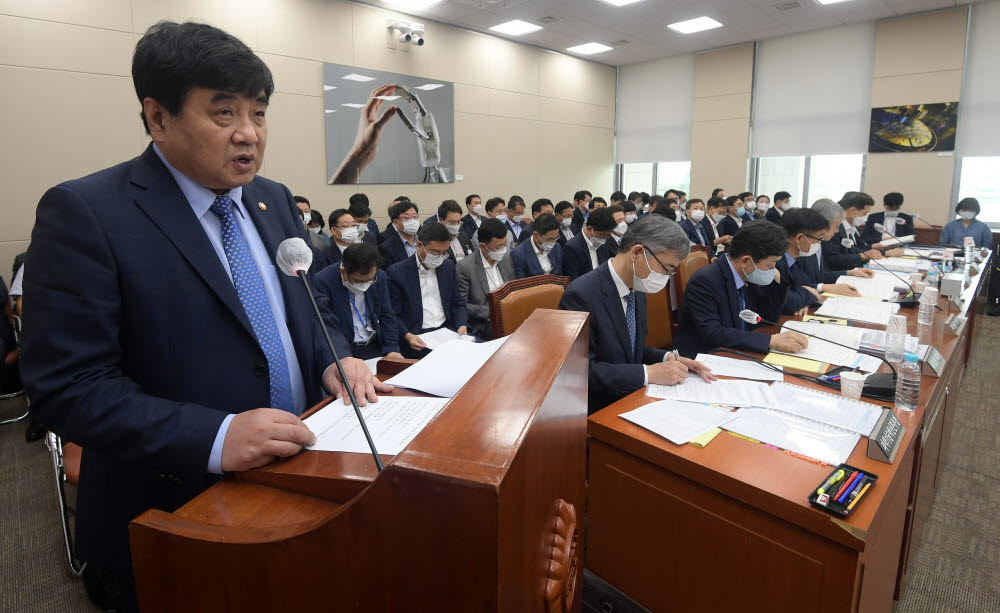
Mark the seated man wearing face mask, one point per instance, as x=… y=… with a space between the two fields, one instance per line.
x=847 y=249
x=359 y=294
x=344 y=232
x=564 y=215
x=538 y=207
x=692 y=226
x=423 y=290
x=541 y=254
x=631 y=214
x=515 y=218
x=483 y=272
x=744 y=278
x=805 y=229
x=475 y=216
x=401 y=243
x=615 y=241
x=715 y=212
x=614 y=295
x=588 y=249
x=895 y=223
x=450 y=215
x=782 y=202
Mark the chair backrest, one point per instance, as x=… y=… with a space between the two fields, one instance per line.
x=514 y=301
x=659 y=319
x=688 y=266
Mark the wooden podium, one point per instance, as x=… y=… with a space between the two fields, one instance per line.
x=483 y=511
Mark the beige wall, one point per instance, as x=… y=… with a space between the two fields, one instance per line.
x=527 y=121
x=918 y=60
x=723 y=85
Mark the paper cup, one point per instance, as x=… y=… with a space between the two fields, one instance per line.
x=919 y=287
x=896 y=325
x=916 y=277
x=851 y=384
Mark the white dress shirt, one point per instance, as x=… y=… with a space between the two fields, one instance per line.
x=493 y=278
x=430 y=298
x=543 y=258
x=739 y=222
x=362 y=331
x=410 y=249
x=890 y=225
x=623 y=292
x=567 y=231
x=593 y=254
x=456 y=248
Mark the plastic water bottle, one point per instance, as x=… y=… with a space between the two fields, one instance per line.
x=928 y=304
x=908 y=383
x=895 y=339
x=932 y=276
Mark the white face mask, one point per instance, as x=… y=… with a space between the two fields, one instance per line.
x=410 y=226
x=477 y=210
x=306 y=218
x=891 y=214
x=433 y=260
x=548 y=246
x=697 y=215
x=359 y=288
x=362 y=228
x=717 y=217
x=497 y=255
x=517 y=218
x=967 y=215
x=813 y=249
x=630 y=218
x=314 y=230
x=750 y=206
x=349 y=235
x=454 y=229
x=502 y=217
x=621 y=228
x=860 y=220
x=763 y=205
x=566 y=222
x=596 y=242
x=655 y=282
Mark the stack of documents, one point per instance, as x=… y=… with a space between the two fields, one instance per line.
x=878 y=288
x=436 y=338
x=931 y=253
x=448 y=368
x=393 y=422
x=874 y=340
x=822 y=351
x=904 y=264
x=889 y=240
x=899 y=280
x=859 y=309
x=742 y=369
x=729 y=392
x=678 y=422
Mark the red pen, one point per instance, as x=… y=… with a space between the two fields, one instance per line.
x=847 y=481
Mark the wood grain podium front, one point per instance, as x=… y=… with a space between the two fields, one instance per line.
x=728 y=527
x=483 y=511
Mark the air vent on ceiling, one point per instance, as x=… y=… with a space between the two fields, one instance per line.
x=787 y=6
x=618 y=43
x=548 y=20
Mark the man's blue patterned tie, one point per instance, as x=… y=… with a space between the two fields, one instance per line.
x=250 y=288
x=630 y=318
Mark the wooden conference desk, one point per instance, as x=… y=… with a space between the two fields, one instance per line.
x=483 y=511
x=728 y=527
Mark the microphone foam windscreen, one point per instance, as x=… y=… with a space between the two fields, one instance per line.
x=294 y=255
x=848 y=243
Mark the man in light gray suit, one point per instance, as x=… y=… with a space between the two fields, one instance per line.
x=482 y=272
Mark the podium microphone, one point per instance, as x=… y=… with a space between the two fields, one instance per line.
x=880 y=385
x=909 y=301
x=294 y=259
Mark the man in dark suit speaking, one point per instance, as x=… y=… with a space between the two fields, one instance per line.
x=614 y=294
x=160 y=326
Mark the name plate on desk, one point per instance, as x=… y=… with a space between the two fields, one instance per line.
x=933 y=363
x=885 y=438
x=954 y=324
x=974 y=268
x=958 y=301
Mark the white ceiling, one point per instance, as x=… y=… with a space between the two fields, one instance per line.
x=643 y=24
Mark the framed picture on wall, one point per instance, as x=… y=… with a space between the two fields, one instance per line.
x=914 y=127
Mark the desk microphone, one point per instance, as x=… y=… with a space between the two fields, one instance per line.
x=881 y=229
x=879 y=385
x=294 y=259
x=926 y=223
x=909 y=301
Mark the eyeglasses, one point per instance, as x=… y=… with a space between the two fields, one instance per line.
x=668 y=272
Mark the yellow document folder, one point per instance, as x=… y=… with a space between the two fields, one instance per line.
x=790 y=361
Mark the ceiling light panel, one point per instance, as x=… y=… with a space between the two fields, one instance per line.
x=698 y=24
x=589 y=48
x=516 y=28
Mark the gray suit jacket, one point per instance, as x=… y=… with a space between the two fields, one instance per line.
x=475 y=288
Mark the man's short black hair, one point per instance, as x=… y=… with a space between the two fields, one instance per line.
x=680 y=193
x=401 y=207
x=733 y=200
x=360 y=198
x=545 y=223
x=669 y=201
x=628 y=207
x=316 y=217
x=360 y=258
x=968 y=204
x=434 y=232
x=593 y=202
x=633 y=195
x=514 y=201
x=580 y=195
x=336 y=215
x=301 y=199
x=616 y=208
x=759 y=239
x=562 y=206
x=892 y=199
x=493 y=203
x=172 y=58
x=781 y=196
x=401 y=199
x=601 y=220
x=359 y=208
x=490 y=229
x=715 y=202
x=808 y=221
x=536 y=206
x=468 y=199
x=448 y=206
x=694 y=201
x=743 y=195
x=666 y=211
x=856 y=200
x=655 y=201
x=645 y=197
x=717 y=191
x=667 y=193
x=618 y=197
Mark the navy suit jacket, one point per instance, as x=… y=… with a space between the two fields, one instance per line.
x=904 y=227
x=773 y=215
x=379 y=314
x=562 y=240
x=689 y=228
x=137 y=346
x=709 y=315
x=392 y=249
x=728 y=226
x=838 y=257
x=469 y=225
x=332 y=254
x=615 y=364
x=812 y=273
x=576 y=256
x=404 y=294
x=798 y=296
x=754 y=216
x=526 y=233
x=526 y=263
x=578 y=220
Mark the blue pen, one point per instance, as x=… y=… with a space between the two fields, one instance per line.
x=850 y=487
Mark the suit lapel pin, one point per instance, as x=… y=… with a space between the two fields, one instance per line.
x=262 y=206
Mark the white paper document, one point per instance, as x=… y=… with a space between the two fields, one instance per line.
x=874 y=340
x=905 y=264
x=730 y=392
x=889 y=240
x=809 y=438
x=436 y=338
x=858 y=309
x=372 y=365
x=819 y=349
x=743 y=369
x=854 y=415
x=931 y=253
x=393 y=422
x=898 y=280
x=678 y=422
x=878 y=288
x=446 y=369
